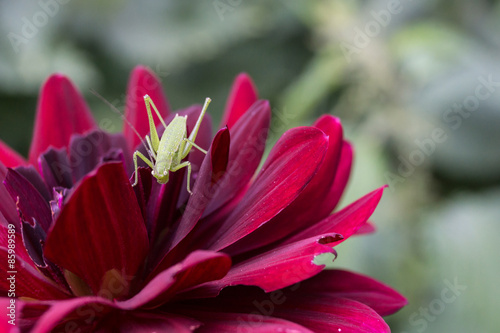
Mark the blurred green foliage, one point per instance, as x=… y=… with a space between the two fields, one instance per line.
x=391 y=70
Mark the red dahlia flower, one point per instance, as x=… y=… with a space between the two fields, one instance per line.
x=90 y=253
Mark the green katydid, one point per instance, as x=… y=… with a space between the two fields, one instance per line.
x=166 y=154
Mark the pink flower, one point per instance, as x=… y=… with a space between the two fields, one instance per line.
x=95 y=254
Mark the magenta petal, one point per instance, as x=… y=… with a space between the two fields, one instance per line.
x=61 y=113
x=9 y=157
x=290 y=166
x=102 y=211
x=312 y=204
x=243 y=94
x=248 y=141
x=366 y=228
x=342 y=174
x=86 y=309
x=339 y=283
x=215 y=322
x=8 y=210
x=346 y=221
x=142 y=82
x=275 y=269
x=142 y=322
x=197 y=268
x=332 y=314
x=28 y=280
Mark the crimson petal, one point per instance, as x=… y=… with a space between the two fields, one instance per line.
x=290 y=166
x=275 y=269
x=9 y=157
x=142 y=82
x=102 y=211
x=8 y=210
x=248 y=141
x=342 y=175
x=346 y=221
x=312 y=204
x=243 y=94
x=140 y=322
x=61 y=113
x=216 y=322
x=29 y=281
x=197 y=268
x=340 y=283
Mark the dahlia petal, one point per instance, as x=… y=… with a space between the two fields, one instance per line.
x=88 y=151
x=9 y=157
x=278 y=268
x=346 y=221
x=216 y=322
x=8 y=208
x=340 y=283
x=248 y=141
x=28 y=280
x=196 y=204
x=102 y=211
x=220 y=156
x=342 y=175
x=7 y=315
x=20 y=250
x=61 y=113
x=290 y=166
x=140 y=322
x=310 y=206
x=197 y=268
x=33 y=177
x=142 y=82
x=366 y=228
x=243 y=94
x=77 y=309
x=56 y=169
x=334 y=314
x=31 y=204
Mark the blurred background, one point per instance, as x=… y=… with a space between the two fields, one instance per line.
x=416 y=84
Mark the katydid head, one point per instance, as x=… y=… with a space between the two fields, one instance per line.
x=161 y=177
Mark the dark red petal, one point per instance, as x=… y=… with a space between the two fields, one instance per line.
x=142 y=322
x=31 y=203
x=61 y=113
x=9 y=157
x=342 y=174
x=28 y=281
x=8 y=314
x=333 y=314
x=243 y=94
x=312 y=204
x=366 y=228
x=77 y=309
x=339 y=283
x=290 y=166
x=198 y=267
x=142 y=82
x=101 y=227
x=219 y=322
x=7 y=206
x=346 y=221
x=192 y=211
x=248 y=141
x=220 y=156
x=275 y=269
